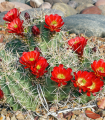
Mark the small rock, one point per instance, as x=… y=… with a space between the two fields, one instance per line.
x=2 y=1
x=2 y=117
x=101 y=103
x=103 y=113
x=1 y=38
x=57 y=1
x=68 y=115
x=94 y=1
x=91 y=114
x=73 y=4
x=28 y=2
x=4 y=111
x=44 y=117
x=91 y=10
x=13 y=117
x=63 y=119
x=83 y=1
x=53 y=109
x=6 y=6
x=21 y=6
x=45 y=5
x=19 y=115
x=8 y=118
x=36 y=118
x=73 y=117
x=30 y=117
x=21 y=1
x=99 y=118
x=60 y=116
x=86 y=23
x=50 y=1
x=89 y=5
x=66 y=9
x=100 y=2
x=88 y=109
x=102 y=8
x=80 y=8
x=33 y=4
x=80 y=117
x=61 y=1
x=36 y=3
x=77 y=112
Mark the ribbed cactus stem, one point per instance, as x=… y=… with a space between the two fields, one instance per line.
x=16 y=85
x=16 y=82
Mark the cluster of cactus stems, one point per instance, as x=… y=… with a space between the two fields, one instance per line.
x=21 y=88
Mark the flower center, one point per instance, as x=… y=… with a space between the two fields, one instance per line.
x=32 y=59
x=38 y=67
x=76 y=42
x=92 y=86
x=54 y=23
x=11 y=14
x=15 y=26
x=100 y=69
x=60 y=76
x=81 y=81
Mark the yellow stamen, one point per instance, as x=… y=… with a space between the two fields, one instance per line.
x=100 y=69
x=32 y=59
x=60 y=76
x=54 y=23
x=76 y=42
x=11 y=14
x=38 y=67
x=15 y=26
x=81 y=81
x=92 y=86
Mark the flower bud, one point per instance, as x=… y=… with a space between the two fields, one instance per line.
x=94 y=49
x=0 y=60
x=1 y=94
x=27 y=16
x=35 y=30
x=37 y=49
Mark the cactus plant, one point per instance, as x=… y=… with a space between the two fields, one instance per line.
x=16 y=83
x=20 y=86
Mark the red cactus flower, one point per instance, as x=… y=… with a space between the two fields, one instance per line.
x=61 y=75
x=83 y=79
x=29 y=58
x=11 y=15
x=16 y=26
x=1 y=94
x=77 y=44
x=99 y=68
x=39 y=68
x=95 y=87
x=54 y=22
x=35 y=30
